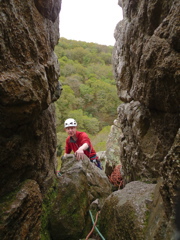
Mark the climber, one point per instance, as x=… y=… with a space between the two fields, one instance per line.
x=79 y=143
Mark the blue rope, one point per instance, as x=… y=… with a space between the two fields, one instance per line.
x=96 y=227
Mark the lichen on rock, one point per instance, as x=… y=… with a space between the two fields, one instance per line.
x=80 y=184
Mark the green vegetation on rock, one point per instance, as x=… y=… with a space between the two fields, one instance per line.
x=46 y=209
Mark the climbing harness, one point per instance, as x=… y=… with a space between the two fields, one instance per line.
x=58 y=173
x=97 y=163
x=115 y=178
x=94 y=226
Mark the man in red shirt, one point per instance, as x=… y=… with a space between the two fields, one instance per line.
x=79 y=143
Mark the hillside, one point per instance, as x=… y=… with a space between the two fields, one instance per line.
x=89 y=92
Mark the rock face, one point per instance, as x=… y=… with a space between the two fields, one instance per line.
x=80 y=185
x=170 y=172
x=112 y=147
x=145 y=60
x=146 y=68
x=28 y=87
x=21 y=213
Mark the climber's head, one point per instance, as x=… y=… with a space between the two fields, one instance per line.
x=70 y=122
x=70 y=126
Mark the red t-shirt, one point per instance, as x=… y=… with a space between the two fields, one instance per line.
x=82 y=138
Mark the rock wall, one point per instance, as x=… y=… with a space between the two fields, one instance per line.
x=113 y=151
x=145 y=59
x=146 y=68
x=28 y=87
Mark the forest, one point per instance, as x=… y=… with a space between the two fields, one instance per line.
x=89 y=91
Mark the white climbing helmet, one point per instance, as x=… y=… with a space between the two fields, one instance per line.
x=70 y=122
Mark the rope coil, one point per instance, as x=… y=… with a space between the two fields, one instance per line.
x=115 y=178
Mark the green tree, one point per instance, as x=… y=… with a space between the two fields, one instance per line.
x=85 y=123
x=78 y=115
x=86 y=93
x=89 y=91
x=78 y=54
x=64 y=104
x=91 y=125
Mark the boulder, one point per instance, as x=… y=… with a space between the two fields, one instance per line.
x=21 y=213
x=80 y=184
x=135 y=212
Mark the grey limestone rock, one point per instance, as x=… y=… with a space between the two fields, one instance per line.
x=79 y=186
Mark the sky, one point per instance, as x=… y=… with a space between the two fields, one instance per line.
x=90 y=20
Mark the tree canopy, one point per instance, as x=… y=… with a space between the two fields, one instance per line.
x=89 y=92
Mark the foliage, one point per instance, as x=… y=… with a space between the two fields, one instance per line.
x=59 y=150
x=99 y=140
x=89 y=93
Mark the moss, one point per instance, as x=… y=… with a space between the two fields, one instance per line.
x=46 y=209
x=146 y=220
x=59 y=163
x=7 y=200
x=12 y=195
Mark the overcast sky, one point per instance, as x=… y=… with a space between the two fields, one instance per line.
x=90 y=20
